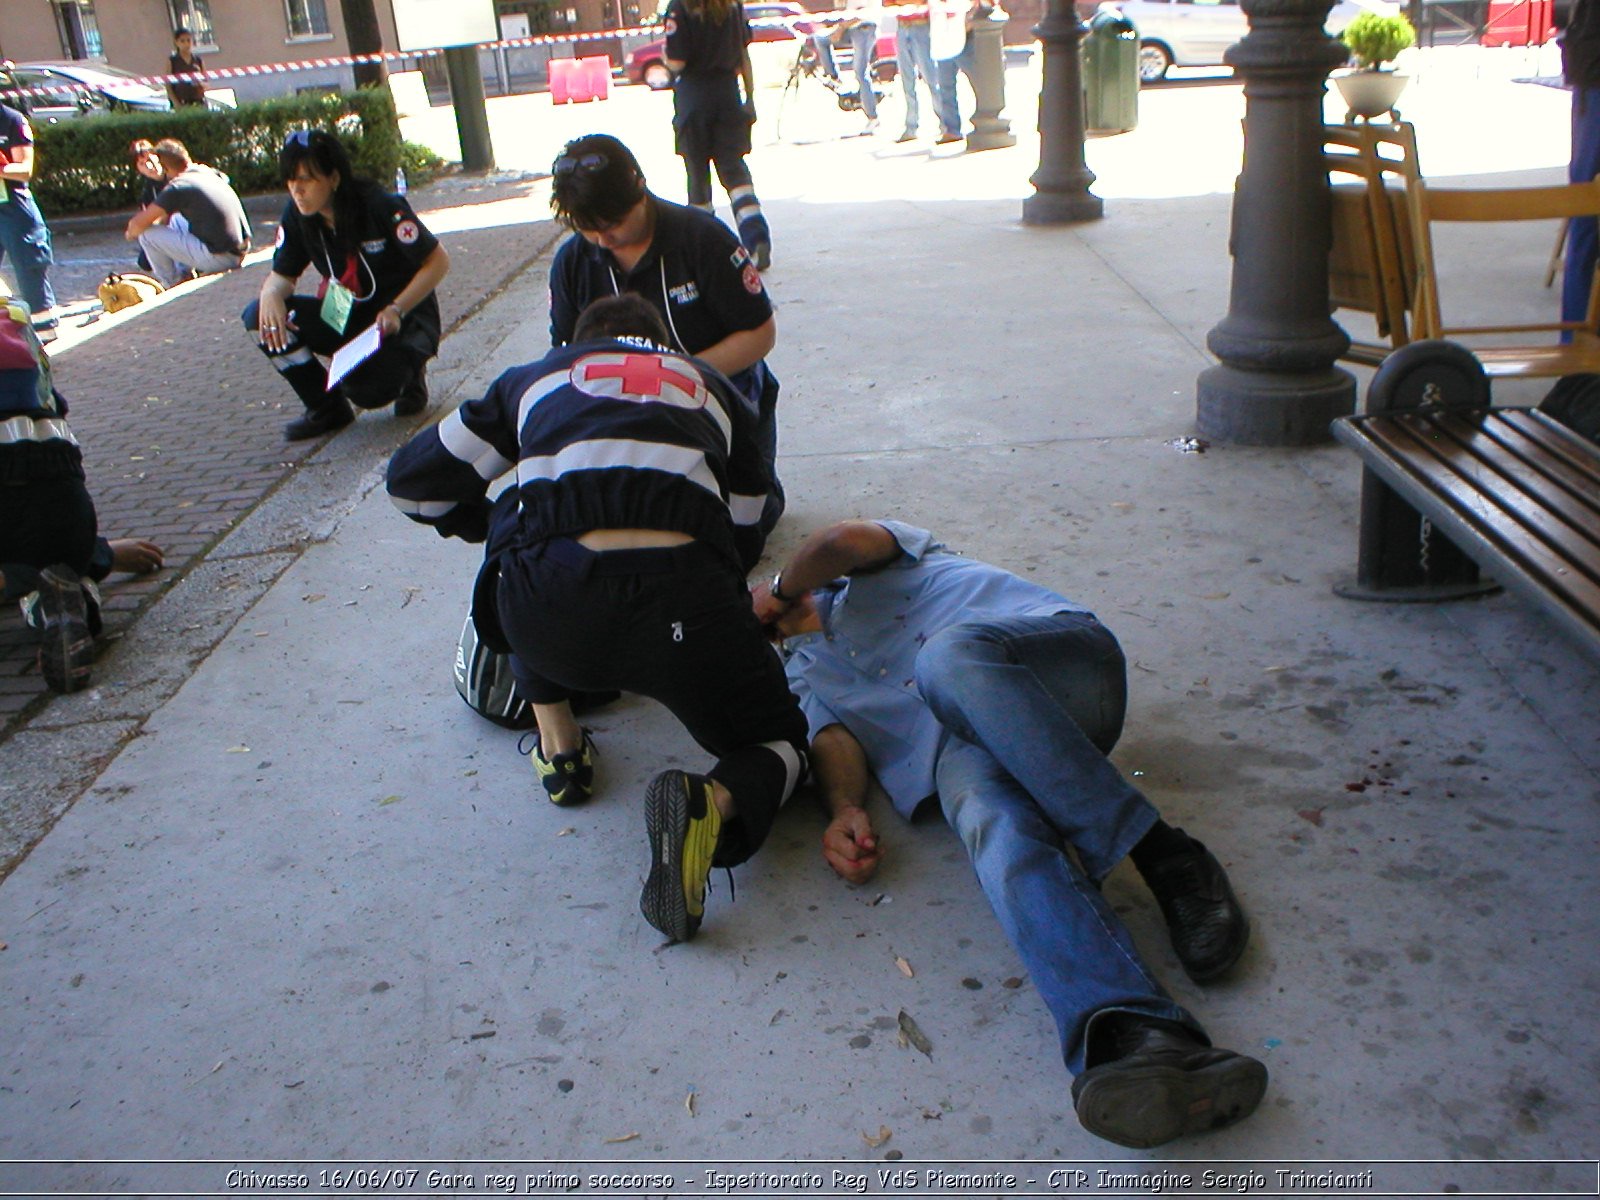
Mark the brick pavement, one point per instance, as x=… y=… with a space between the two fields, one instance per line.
x=181 y=422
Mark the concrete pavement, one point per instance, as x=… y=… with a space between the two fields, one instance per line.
x=309 y=908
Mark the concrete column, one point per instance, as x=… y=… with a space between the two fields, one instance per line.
x=1277 y=385
x=1061 y=184
x=472 y=117
x=990 y=131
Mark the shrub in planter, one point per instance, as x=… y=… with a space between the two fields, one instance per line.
x=1374 y=39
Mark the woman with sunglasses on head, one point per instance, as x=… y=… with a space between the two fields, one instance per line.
x=707 y=48
x=685 y=262
x=379 y=266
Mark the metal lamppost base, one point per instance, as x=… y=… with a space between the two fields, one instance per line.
x=1062 y=208
x=1272 y=408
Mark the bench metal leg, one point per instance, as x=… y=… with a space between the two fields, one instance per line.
x=1402 y=558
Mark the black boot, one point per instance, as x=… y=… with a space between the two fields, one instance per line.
x=1209 y=929
x=335 y=414
x=1164 y=1083
x=413 y=397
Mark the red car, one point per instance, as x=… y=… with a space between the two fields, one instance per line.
x=771 y=21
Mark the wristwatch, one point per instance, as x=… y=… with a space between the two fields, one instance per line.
x=775 y=590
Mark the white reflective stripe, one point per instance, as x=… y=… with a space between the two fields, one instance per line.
x=724 y=422
x=791 y=765
x=746 y=510
x=15 y=430
x=603 y=453
x=537 y=391
x=470 y=448
x=423 y=508
x=297 y=357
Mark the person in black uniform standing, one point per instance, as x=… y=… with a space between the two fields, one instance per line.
x=638 y=479
x=685 y=262
x=379 y=265
x=708 y=50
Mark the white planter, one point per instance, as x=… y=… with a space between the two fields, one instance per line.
x=1370 y=94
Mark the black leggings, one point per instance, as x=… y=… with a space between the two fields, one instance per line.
x=675 y=625
x=376 y=382
x=44 y=523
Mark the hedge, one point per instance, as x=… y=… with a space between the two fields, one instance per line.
x=83 y=165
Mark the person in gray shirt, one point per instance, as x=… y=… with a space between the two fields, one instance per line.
x=195 y=224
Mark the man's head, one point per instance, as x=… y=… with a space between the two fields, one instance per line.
x=174 y=156
x=597 y=188
x=626 y=316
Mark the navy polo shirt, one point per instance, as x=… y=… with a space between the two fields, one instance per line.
x=695 y=272
x=705 y=49
x=376 y=265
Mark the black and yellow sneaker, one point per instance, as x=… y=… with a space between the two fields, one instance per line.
x=683 y=824
x=568 y=778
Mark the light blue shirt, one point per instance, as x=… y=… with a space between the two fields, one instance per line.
x=860 y=671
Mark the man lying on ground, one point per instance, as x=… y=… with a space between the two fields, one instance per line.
x=937 y=673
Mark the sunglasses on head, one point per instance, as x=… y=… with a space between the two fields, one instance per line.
x=300 y=137
x=584 y=164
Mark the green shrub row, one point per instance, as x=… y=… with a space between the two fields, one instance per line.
x=83 y=165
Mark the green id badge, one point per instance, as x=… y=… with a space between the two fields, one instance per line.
x=336 y=305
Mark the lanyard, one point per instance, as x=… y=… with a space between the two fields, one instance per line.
x=327 y=258
x=666 y=300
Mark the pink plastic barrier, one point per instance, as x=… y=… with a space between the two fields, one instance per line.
x=561 y=70
x=598 y=70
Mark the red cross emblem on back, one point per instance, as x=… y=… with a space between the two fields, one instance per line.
x=640 y=377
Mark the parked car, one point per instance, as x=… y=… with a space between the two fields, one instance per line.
x=774 y=21
x=1196 y=33
x=86 y=88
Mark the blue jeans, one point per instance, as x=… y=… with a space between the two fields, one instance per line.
x=946 y=93
x=1033 y=705
x=863 y=46
x=913 y=57
x=25 y=238
x=1583 y=237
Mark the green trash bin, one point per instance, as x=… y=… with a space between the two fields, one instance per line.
x=1110 y=73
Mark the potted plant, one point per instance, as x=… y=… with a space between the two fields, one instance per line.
x=1373 y=40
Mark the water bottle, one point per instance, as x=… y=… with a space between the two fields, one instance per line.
x=399 y=181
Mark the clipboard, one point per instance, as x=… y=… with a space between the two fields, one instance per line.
x=353 y=353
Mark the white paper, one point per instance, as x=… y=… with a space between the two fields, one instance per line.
x=353 y=353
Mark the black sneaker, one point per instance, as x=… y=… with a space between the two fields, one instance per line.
x=762 y=253
x=1165 y=1084
x=683 y=824
x=331 y=416
x=1208 y=928
x=57 y=611
x=413 y=397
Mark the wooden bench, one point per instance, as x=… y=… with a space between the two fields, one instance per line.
x=1453 y=484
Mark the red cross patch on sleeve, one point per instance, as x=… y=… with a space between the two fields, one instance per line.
x=406 y=232
x=752 y=279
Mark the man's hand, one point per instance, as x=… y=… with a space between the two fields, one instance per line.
x=850 y=845
x=768 y=609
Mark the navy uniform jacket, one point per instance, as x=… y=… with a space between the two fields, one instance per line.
x=375 y=264
x=695 y=273
x=604 y=435
x=704 y=48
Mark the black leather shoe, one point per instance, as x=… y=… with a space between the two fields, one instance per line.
x=1208 y=928
x=319 y=421
x=1166 y=1085
x=414 y=397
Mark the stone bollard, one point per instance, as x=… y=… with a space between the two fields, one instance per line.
x=1061 y=184
x=1277 y=384
x=990 y=131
